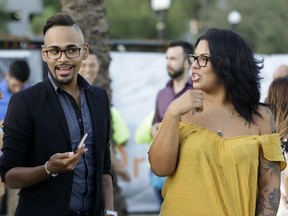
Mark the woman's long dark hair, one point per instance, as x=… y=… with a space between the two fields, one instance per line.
x=234 y=63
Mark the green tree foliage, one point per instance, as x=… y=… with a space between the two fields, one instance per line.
x=5 y=16
x=135 y=19
x=130 y=19
x=263 y=25
x=50 y=7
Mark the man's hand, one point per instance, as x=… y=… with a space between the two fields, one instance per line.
x=65 y=162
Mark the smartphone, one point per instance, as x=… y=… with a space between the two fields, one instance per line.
x=80 y=144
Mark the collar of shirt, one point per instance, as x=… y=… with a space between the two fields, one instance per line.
x=188 y=83
x=83 y=84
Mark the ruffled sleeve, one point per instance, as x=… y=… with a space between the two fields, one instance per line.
x=186 y=129
x=271 y=146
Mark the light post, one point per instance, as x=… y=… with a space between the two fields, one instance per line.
x=160 y=8
x=234 y=18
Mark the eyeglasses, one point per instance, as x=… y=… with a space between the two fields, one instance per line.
x=201 y=60
x=71 y=52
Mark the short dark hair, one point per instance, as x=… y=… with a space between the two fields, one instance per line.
x=19 y=69
x=236 y=66
x=97 y=54
x=59 y=19
x=187 y=47
x=91 y=51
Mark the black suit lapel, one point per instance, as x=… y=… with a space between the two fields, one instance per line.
x=56 y=107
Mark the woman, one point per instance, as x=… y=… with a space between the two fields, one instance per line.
x=278 y=99
x=216 y=143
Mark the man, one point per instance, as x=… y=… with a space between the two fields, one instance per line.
x=178 y=70
x=90 y=67
x=280 y=71
x=43 y=126
x=15 y=80
x=120 y=132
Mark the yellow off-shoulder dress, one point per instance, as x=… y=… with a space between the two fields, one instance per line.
x=215 y=175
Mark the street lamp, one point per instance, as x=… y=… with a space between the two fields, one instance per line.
x=160 y=8
x=234 y=18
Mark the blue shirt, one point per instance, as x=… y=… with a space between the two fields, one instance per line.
x=6 y=98
x=79 y=122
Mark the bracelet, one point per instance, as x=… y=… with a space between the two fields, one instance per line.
x=47 y=171
x=110 y=212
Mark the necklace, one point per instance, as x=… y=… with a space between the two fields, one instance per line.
x=219 y=132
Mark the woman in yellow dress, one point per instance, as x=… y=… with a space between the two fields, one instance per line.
x=217 y=144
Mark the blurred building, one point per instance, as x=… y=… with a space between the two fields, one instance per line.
x=22 y=12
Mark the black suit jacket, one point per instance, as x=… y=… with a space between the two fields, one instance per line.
x=35 y=128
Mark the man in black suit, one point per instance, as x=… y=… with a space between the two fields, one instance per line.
x=43 y=127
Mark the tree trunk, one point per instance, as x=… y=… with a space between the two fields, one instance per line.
x=90 y=15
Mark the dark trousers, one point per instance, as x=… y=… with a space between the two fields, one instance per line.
x=3 y=203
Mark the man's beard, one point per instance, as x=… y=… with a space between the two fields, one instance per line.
x=63 y=80
x=176 y=74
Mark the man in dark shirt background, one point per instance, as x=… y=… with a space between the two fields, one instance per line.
x=178 y=70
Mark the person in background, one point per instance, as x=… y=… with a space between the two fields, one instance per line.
x=280 y=71
x=217 y=139
x=143 y=132
x=178 y=70
x=2 y=186
x=120 y=132
x=15 y=80
x=43 y=127
x=277 y=98
x=143 y=135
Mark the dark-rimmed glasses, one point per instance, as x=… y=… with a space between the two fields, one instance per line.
x=71 y=52
x=201 y=60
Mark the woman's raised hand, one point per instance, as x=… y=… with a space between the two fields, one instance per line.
x=191 y=100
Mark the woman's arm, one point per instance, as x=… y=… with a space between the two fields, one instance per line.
x=269 y=187
x=163 y=152
x=269 y=176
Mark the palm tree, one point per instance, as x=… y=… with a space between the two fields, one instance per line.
x=90 y=15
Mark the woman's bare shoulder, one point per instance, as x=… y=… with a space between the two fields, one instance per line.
x=266 y=122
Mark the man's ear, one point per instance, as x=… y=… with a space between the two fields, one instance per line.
x=44 y=55
x=186 y=64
